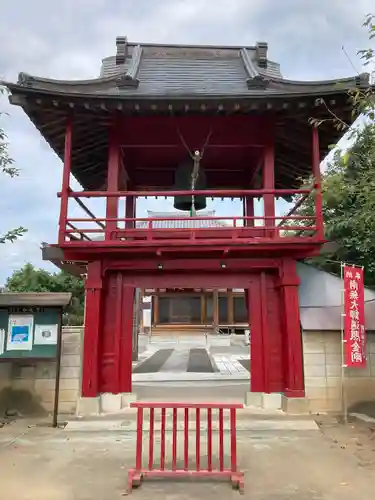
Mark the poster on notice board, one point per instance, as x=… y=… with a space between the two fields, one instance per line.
x=45 y=334
x=2 y=341
x=20 y=333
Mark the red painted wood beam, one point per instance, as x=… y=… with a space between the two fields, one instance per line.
x=118 y=335
x=126 y=352
x=130 y=211
x=220 y=193
x=249 y=210
x=232 y=129
x=256 y=171
x=65 y=189
x=257 y=382
x=187 y=244
x=294 y=208
x=90 y=376
x=269 y=179
x=181 y=146
x=113 y=175
x=150 y=220
x=197 y=264
x=293 y=359
x=317 y=182
x=186 y=280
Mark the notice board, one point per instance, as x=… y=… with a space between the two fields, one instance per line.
x=29 y=332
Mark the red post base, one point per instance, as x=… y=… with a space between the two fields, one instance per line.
x=294 y=393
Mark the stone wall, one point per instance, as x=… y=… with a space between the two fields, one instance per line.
x=323 y=381
x=29 y=386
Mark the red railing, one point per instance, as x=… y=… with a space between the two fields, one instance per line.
x=203 y=462
x=138 y=231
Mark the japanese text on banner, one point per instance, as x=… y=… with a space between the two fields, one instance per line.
x=354 y=313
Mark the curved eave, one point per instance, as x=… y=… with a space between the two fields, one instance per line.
x=48 y=110
x=109 y=89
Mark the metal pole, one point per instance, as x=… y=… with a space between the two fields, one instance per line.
x=58 y=369
x=136 y=314
x=343 y=366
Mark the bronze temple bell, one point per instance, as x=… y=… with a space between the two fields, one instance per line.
x=183 y=182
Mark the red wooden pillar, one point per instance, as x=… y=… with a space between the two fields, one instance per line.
x=94 y=283
x=269 y=178
x=113 y=173
x=248 y=210
x=293 y=354
x=66 y=179
x=126 y=350
x=130 y=210
x=257 y=296
x=317 y=182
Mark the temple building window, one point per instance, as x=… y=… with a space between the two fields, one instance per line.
x=239 y=309
x=223 y=309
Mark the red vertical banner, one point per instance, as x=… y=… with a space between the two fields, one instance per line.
x=354 y=317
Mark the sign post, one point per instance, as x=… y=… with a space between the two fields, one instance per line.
x=353 y=333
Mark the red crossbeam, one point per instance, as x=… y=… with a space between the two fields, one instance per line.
x=215 y=467
x=219 y=193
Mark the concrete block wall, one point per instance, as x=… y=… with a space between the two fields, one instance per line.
x=323 y=380
x=29 y=386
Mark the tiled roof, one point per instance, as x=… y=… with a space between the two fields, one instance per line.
x=181 y=220
x=190 y=70
x=159 y=71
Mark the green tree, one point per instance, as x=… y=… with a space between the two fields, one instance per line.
x=31 y=279
x=348 y=188
x=348 y=185
x=7 y=168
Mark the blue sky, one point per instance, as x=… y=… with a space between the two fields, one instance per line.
x=68 y=39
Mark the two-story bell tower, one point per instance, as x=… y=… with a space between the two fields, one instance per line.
x=193 y=123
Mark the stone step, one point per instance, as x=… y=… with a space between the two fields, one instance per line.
x=243 y=424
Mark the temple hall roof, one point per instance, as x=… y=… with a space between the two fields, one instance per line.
x=200 y=70
x=182 y=220
x=157 y=70
x=191 y=89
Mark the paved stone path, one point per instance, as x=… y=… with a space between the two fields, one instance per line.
x=230 y=365
x=223 y=353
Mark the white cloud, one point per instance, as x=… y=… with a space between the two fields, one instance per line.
x=68 y=39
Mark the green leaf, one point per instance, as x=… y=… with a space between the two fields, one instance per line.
x=12 y=235
x=7 y=168
x=31 y=279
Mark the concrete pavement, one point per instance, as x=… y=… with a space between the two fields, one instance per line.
x=48 y=464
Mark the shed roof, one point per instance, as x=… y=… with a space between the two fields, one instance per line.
x=45 y=299
x=320 y=289
x=320 y=298
x=326 y=319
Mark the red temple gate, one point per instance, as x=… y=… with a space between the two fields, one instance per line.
x=272 y=298
x=124 y=136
